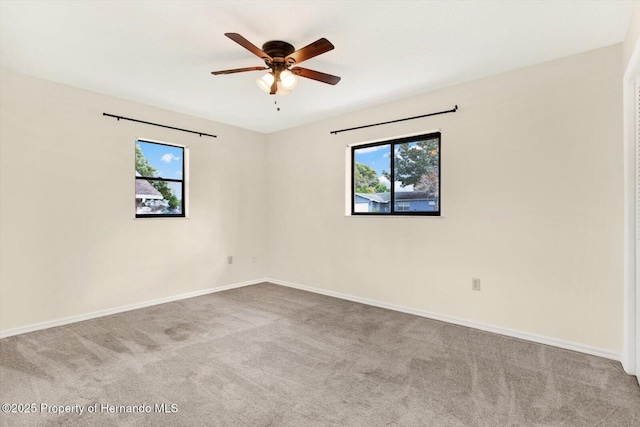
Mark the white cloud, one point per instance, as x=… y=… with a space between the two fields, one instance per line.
x=372 y=149
x=178 y=173
x=399 y=187
x=168 y=158
x=386 y=155
x=398 y=184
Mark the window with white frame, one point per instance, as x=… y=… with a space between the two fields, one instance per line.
x=403 y=206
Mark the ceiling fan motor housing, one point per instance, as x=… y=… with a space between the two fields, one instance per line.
x=278 y=49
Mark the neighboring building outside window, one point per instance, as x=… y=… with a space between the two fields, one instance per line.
x=412 y=164
x=160 y=186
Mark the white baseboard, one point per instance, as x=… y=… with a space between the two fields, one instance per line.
x=567 y=345
x=73 y=319
x=463 y=322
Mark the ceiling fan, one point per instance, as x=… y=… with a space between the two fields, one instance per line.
x=279 y=57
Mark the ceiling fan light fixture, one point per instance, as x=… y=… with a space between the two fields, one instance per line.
x=288 y=80
x=265 y=82
x=281 y=90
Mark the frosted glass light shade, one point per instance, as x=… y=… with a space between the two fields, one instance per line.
x=265 y=82
x=288 y=80
x=281 y=90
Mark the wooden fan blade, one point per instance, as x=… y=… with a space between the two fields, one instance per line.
x=314 y=49
x=239 y=70
x=315 y=75
x=248 y=45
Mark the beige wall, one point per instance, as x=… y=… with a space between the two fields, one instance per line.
x=531 y=197
x=633 y=34
x=70 y=245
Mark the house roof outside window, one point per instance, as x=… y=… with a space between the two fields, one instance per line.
x=144 y=189
x=400 y=195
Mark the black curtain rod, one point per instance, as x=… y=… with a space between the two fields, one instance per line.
x=335 y=132
x=162 y=126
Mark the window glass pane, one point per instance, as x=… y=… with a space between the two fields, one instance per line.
x=403 y=206
x=158 y=197
x=371 y=169
x=159 y=160
x=417 y=176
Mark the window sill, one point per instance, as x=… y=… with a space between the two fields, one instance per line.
x=397 y=216
x=177 y=218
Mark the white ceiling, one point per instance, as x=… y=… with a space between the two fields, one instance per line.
x=162 y=53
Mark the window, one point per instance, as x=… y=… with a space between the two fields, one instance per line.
x=160 y=170
x=403 y=206
x=412 y=164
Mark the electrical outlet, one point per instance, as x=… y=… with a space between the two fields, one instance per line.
x=230 y=259
x=254 y=260
x=475 y=284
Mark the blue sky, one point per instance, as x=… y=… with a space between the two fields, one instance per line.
x=377 y=158
x=165 y=158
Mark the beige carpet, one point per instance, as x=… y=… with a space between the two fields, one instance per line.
x=266 y=355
